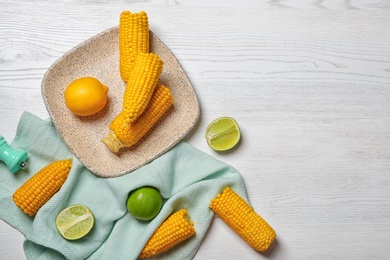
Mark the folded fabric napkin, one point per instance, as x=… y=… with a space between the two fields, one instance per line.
x=186 y=177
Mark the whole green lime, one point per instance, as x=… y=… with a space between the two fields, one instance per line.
x=144 y=203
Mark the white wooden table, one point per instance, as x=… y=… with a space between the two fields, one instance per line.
x=308 y=81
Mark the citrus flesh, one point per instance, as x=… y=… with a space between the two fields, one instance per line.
x=74 y=222
x=85 y=96
x=223 y=134
x=144 y=203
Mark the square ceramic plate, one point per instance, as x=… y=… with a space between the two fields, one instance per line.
x=99 y=57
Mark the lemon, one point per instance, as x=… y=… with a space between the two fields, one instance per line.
x=144 y=203
x=74 y=222
x=223 y=134
x=86 y=96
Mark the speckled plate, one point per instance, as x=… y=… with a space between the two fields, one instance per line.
x=99 y=57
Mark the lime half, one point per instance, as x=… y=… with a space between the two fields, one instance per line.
x=223 y=134
x=74 y=222
x=144 y=203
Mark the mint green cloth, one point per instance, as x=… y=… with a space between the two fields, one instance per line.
x=186 y=177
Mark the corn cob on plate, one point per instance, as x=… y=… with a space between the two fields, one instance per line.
x=99 y=57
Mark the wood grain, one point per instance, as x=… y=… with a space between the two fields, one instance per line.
x=308 y=82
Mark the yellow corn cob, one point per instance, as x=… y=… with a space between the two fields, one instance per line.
x=241 y=217
x=141 y=84
x=35 y=192
x=175 y=229
x=133 y=38
x=123 y=134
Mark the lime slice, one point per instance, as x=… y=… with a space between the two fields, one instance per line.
x=223 y=134
x=74 y=222
x=144 y=203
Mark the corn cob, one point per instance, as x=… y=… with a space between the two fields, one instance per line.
x=241 y=217
x=174 y=230
x=141 y=84
x=35 y=192
x=133 y=38
x=123 y=134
